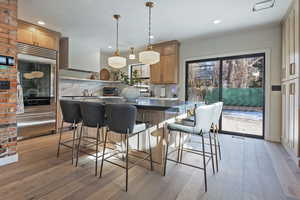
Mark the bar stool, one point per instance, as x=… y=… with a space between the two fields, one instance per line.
x=121 y=119
x=215 y=131
x=93 y=116
x=71 y=114
x=203 y=123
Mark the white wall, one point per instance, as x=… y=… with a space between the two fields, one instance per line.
x=267 y=39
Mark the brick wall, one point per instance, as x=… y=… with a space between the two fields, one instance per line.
x=8 y=36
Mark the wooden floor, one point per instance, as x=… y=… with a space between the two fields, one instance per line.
x=250 y=169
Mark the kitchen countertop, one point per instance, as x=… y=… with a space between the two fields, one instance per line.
x=142 y=103
x=100 y=97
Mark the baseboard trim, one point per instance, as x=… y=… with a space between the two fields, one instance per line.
x=292 y=155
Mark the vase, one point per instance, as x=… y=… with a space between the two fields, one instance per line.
x=130 y=93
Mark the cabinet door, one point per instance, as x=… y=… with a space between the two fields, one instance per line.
x=287 y=46
x=284 y=115
x=155 y=70
x=169 y=69
x=293 y=116
x=26 y=35
x=170 y=49
x=292 y=44
x=156 y=73
x=45 y=39
x=283 y=67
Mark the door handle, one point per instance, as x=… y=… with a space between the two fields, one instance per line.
x=292 y=68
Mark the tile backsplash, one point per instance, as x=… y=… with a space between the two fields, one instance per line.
x=77 y=87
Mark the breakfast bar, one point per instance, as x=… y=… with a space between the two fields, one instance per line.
x=156 y=114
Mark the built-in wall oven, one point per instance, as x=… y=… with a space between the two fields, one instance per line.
x=37 y=73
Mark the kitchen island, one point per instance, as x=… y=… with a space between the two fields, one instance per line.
x=157 y=114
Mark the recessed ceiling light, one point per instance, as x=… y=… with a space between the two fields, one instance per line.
x=110 y=47
x=151 y=36
x=41 y=22
x=217 y=21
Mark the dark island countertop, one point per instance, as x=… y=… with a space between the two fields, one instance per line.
x=145 y=104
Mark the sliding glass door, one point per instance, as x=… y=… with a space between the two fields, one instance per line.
x=203 y=83
x=237 y=81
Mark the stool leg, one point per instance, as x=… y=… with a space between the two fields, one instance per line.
x=59 y=141
x=182 y=143
x=103 y=153
x=122 y=147
x=204 y=163
x=78 y=146
x=97 y=147
x=166 y=155
x=127 y=146
x=150 y=150
x=138 y=141
x=219 y=146
x=216 y=151
x=75 y=128
x=212 y=153
x=179 y=146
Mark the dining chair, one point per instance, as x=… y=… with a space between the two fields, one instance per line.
x=203 y=122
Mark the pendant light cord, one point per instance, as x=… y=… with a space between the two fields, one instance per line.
x=149 y=41
x=117 y=42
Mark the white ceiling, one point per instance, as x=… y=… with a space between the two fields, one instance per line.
x=92 y=22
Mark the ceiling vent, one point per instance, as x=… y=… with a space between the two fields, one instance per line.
x=263 y=5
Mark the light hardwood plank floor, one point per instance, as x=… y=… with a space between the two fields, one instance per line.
x=250 y=170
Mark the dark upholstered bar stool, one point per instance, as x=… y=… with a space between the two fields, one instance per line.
x=121 y=119
x=93 y=116
x=71 y=114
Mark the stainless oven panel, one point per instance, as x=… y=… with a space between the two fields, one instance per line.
x=36 y=120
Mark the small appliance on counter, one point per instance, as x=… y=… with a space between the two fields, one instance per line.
x=110 y=91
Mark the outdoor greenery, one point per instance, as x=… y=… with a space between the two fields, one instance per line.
x=130 y=81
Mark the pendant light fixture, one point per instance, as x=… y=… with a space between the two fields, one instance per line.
x=117 y=61
x=131 y=54
x=149 y=56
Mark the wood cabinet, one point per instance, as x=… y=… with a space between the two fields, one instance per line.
x=166 y=71
x=290 y=82
x=37 y=36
